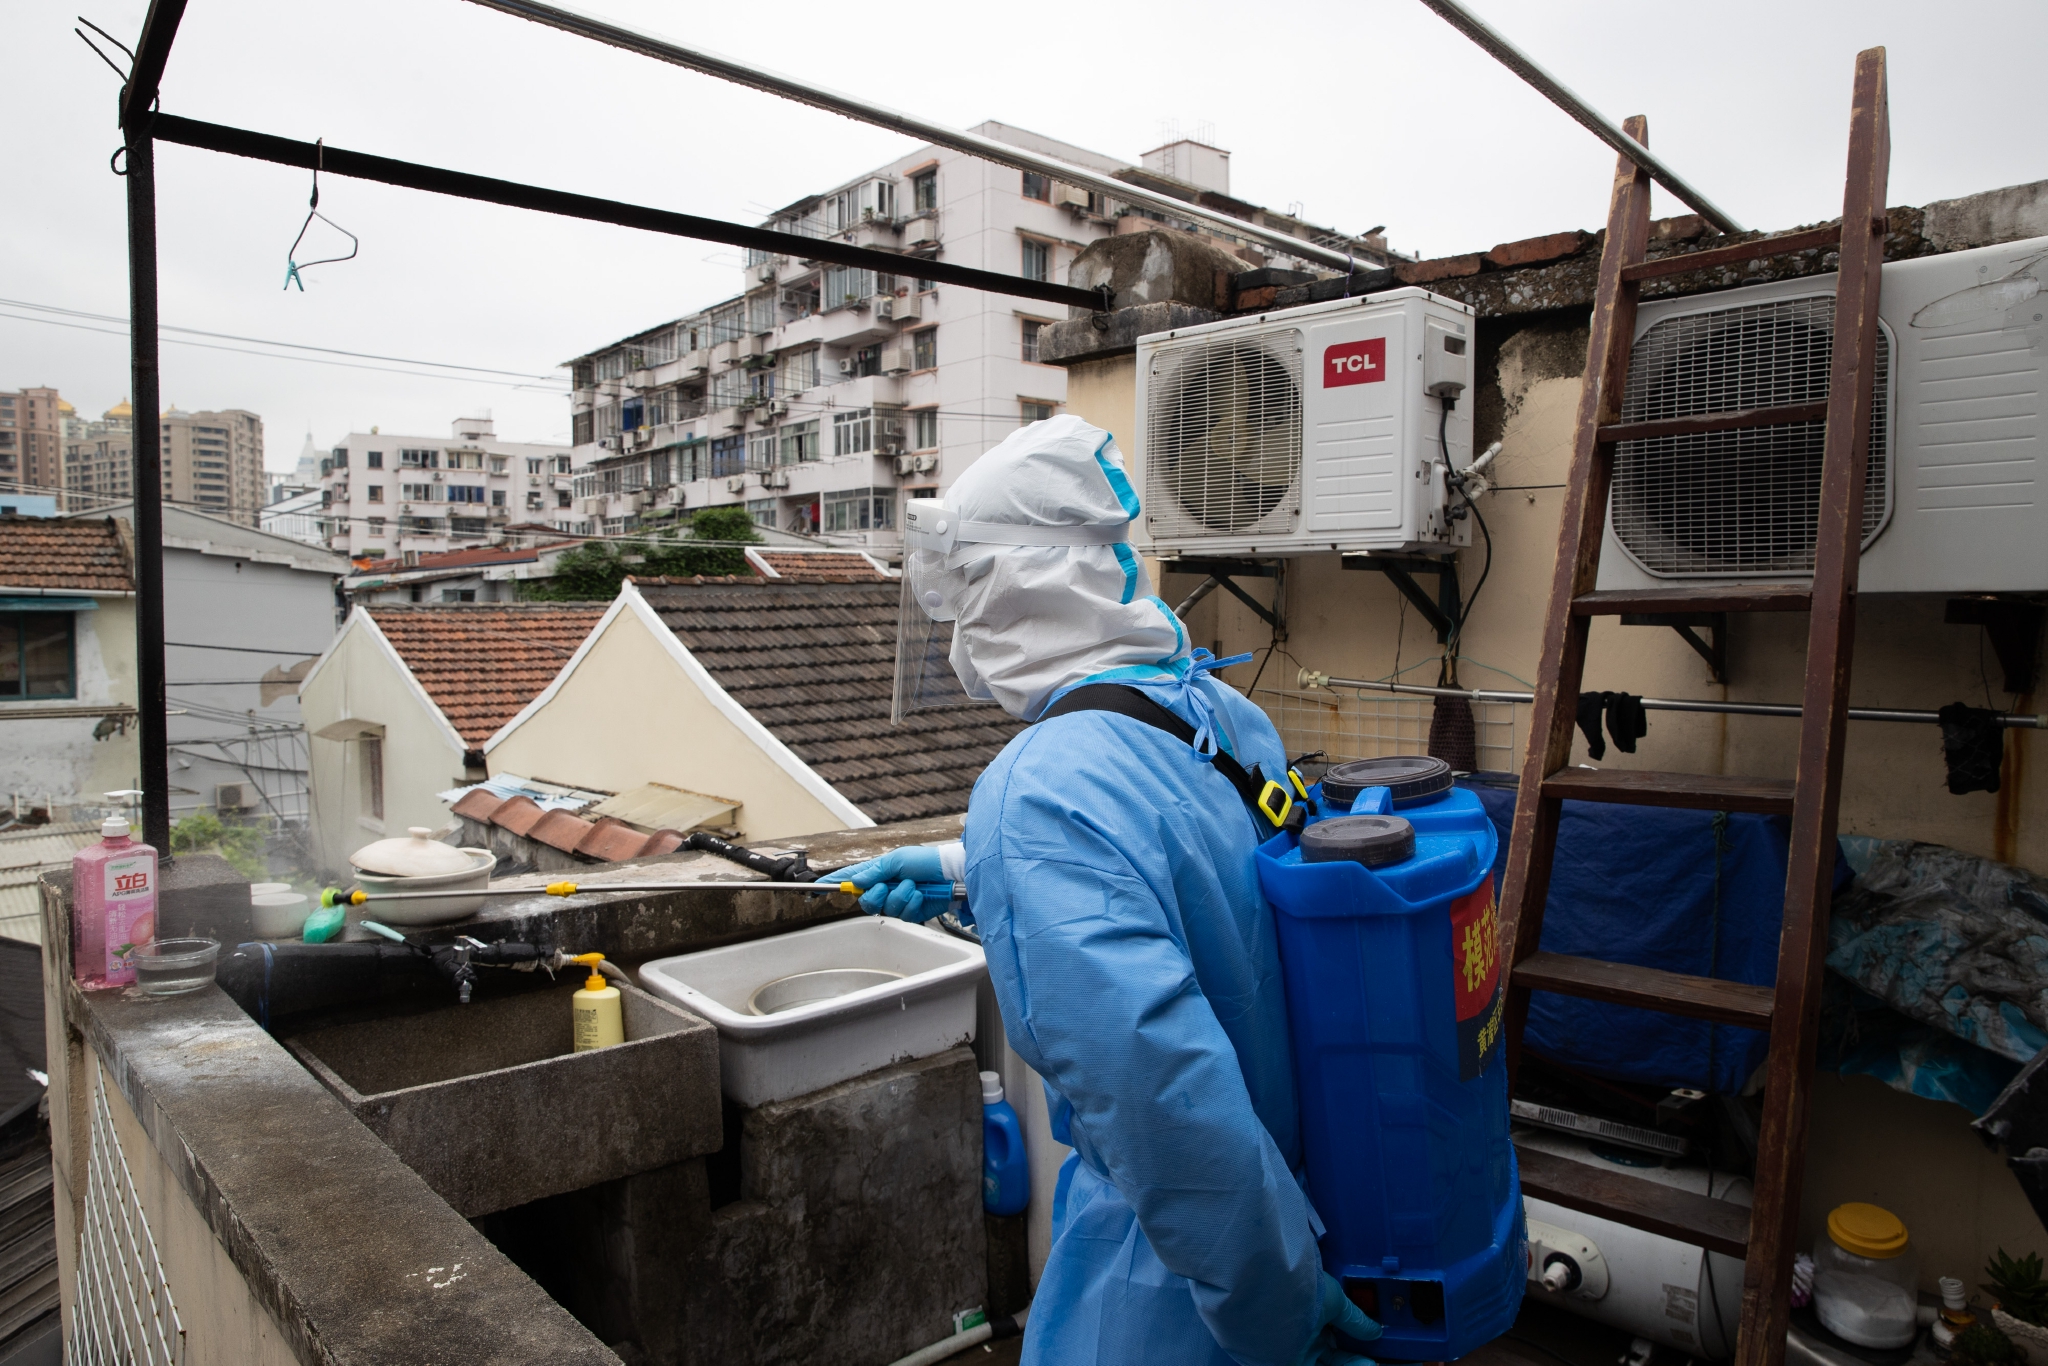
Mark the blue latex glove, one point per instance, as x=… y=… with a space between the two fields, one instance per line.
x=1339 y=1313
x=908 y=883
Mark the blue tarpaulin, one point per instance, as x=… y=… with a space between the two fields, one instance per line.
x=1698 y=892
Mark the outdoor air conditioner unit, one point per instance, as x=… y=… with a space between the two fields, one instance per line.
x=231 y=797
x=736 y=484
x=908 y=309
x=1070 y=197
x=765 y=272
x=1959 y=419
x=896 y=358
x=848 y=365
x=907 y=465
x=777 y=407
x=885 y=306
x=438 y=476
x=774 y=479
x=1306 y=430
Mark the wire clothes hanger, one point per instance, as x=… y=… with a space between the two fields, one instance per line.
x=292 y=265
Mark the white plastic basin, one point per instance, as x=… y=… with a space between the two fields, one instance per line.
x=925 y=1008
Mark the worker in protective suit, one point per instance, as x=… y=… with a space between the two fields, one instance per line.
x=1108 y=865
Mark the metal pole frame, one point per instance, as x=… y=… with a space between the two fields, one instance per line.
x=138 y=98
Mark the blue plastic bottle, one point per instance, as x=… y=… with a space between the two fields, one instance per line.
x=1005 y=1175
x=1394 y=997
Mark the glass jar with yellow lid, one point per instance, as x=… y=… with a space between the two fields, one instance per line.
x=1866 y=1278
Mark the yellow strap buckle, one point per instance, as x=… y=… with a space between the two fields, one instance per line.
x=1300 y=788
x=1275 y=803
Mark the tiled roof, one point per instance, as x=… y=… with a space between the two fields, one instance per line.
x=815 y=664
x=482 y=662
x=52 y=552
x=815 y=566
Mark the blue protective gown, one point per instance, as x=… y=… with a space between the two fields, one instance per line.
x=1110 y=870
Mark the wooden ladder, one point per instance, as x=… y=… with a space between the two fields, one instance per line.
x=1763 y=1235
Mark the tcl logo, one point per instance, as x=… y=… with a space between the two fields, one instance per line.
x=1359 y=362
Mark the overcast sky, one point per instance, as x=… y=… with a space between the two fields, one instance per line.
x=1362 y=111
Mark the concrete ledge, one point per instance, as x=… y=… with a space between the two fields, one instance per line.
x=1080 y=339
x=633 y=926
x=334 y=1236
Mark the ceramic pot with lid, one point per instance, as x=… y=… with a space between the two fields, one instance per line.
x=420 y=863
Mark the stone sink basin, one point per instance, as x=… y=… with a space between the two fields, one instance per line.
x=489 y=1104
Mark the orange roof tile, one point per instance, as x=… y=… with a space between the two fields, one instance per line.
x=812 y=566
x=483 y=662
x=49 y=552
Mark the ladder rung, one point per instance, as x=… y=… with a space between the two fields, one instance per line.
x=1684 y=263
x=1696 y=791
x=1713 y=422
x=1625 y=984
x=1627 y=602
x=1717 y=1225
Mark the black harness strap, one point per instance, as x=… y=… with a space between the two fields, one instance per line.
x=1131 y=702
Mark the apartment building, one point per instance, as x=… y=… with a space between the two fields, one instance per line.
x=822 y=395
x=394 y=497
x=99 y=460
x=213 y=461
x=32 y=441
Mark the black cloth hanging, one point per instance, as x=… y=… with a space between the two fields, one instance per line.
x=1453 y=737
x=1974 y=744
x=1627 y=722
x=1592 y=705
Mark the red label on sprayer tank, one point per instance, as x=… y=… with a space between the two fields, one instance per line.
x=1475 y=977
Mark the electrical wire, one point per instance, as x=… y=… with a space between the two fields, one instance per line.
x=267 y=341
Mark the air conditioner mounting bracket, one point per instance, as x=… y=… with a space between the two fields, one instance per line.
x=1443 y=612
x=1221 y=574
x=2014 y=625
x=1714 y=650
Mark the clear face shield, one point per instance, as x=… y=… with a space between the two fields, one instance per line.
x=939 y=550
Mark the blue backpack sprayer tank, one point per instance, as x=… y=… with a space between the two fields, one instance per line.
x=1389 y=940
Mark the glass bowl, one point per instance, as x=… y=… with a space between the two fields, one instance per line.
x=172 y=967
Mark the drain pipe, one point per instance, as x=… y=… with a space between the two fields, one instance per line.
x=993 y=1329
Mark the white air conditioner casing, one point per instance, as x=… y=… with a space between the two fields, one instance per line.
x=1305 y=430
x=1959 y=427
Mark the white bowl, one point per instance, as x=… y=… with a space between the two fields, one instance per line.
x=434 y=910
x=278 y=915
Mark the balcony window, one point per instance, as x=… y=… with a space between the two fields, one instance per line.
x=845 y=286
x=761 y=312
x=468 y=526
x=1037 y=187
x=762 y=510
x=924 y=429
x=1031 y=330
x=374 y=525
x=693 y=462
x=341 y=460
x=464 y=493
x=1035 y=411
x=497 y=498
x=860 y=510
x=419 y=459
x=373 y=460
x=420 y=493
x=924 y=349
x=761 y=451
x=532 y=465
x=561 y=464
x=1037 y=260
x=800 y=443
x=37 y=650
x=631 y=412
x=658 y=466
x=924 y=190
x=797 y=370
x=853 y=433
x=376 y=493
x=582 y=429
x=728 y=456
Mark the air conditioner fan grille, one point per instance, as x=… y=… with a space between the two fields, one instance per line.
x=1742 y=502
x=1223 y=435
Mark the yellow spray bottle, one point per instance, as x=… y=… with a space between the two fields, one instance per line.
x=595 y=1010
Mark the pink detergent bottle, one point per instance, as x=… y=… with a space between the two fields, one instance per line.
x=113 y=904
